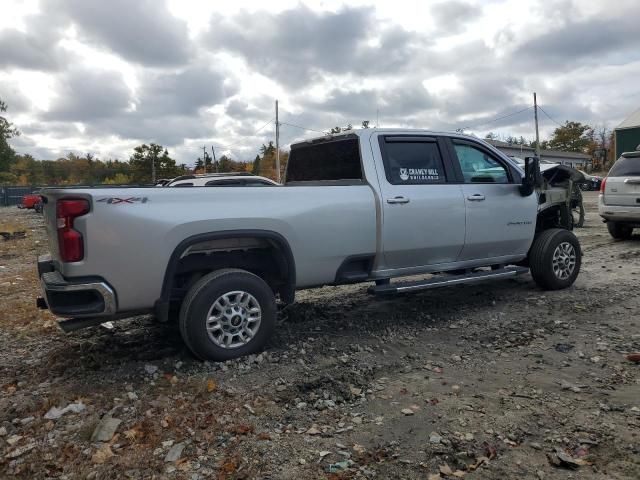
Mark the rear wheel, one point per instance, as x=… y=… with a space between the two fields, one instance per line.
x=555 y=258
x=227 y=314
x=619 y=231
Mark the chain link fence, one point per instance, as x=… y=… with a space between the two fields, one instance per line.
x=11 y=195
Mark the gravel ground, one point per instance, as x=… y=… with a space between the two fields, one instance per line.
x=497 y=381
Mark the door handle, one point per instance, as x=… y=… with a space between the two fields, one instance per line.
x=477 y=197
x=398 y=199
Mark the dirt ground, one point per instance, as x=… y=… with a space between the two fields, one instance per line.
x=495 y=381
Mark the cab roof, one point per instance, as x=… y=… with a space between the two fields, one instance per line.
x=370 y=131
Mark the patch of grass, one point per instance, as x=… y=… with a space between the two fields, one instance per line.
x=11 y=226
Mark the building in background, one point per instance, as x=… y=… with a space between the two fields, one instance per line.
x=572 y=159
x=627 y=134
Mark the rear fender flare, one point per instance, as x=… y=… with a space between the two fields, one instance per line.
x=161 y=306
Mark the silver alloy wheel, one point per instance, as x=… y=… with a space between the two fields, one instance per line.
x=233 y=319
x=564 y=260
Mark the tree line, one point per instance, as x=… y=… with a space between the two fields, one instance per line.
x=597 y=142
x=147 y=164
x=152 y=162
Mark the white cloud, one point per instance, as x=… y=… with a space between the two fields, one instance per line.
x=103 y=76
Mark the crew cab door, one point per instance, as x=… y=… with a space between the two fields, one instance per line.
x=500 y=222
x=423 y=216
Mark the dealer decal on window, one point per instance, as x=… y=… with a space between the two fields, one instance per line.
x=419 y=174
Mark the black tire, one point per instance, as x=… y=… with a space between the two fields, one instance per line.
x=201 y=299
x=541 y=259
x=619 y=231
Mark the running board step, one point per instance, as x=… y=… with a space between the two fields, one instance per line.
x=444 y=280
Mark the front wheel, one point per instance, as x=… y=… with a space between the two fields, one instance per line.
x=619 y=230
x=555 y=258
x=227 y=314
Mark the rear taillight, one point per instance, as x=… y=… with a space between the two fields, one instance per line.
x=602 y=185
x=70 y=240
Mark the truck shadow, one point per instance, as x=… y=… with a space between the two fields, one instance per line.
x=347 y=312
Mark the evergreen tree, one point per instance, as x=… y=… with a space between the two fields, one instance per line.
x=255 y=169
x=7 y=131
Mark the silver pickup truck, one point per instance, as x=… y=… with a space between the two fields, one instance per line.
x=363 y=206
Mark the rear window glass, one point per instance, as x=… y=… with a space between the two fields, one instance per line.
x=189 y=184
x=328 y=161
x=233 y=182
x=259 y=183
x=626 y=167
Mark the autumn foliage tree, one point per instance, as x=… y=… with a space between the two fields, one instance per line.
x=266 y=162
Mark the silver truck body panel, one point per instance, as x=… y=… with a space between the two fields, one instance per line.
x=129 y=244
x=501 y=223
x=131 y=233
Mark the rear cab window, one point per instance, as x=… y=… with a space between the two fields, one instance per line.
x=336 y=161
x=412 y=160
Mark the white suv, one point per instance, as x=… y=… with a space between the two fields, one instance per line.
x=619 y=202
x=221 y=180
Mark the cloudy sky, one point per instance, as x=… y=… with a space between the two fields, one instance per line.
x=103 y=76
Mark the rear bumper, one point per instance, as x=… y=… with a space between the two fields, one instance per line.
x=619 y=213
x=74 y=298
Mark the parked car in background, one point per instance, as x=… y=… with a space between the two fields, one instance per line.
x=221 y=180
x=32 y=200
x=619 y=201
x=591 y=183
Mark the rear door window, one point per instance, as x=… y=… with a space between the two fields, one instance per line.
x=413 y=161
x=626 y=167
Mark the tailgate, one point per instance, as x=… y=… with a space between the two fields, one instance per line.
x=622 y=191
x=50 y=198
x=49 y=214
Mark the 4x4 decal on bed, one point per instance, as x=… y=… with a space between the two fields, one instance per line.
x=116 y=200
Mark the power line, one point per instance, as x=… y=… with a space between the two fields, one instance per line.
x=549 y=116
x=498 y=118
x=228 y=147
x=302 y=128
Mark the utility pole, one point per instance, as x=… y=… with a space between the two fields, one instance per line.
x=277 y=145
x=535 y=114
x=204 y=157
x=153 y=168
x=215 y=162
